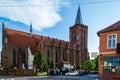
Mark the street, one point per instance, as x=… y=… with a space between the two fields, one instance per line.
x=85 y=77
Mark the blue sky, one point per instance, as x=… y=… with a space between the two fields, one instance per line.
x=54 y=21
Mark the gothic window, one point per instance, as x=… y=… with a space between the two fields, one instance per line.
x=56 y=58
x=48 y=61
x=14 y=56
x=48 y=53
x=63 y=54
x=23 y=56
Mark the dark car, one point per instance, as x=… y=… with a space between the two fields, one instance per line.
x=82 y=72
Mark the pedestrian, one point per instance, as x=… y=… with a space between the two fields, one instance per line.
x=54 y=71
x=61 y=72
x=58 y=72
x=23 y=66
x=48 y=71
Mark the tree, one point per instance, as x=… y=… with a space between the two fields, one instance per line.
x=40 y=61
x=96 y=62
x=52 y=64
x=89 y=65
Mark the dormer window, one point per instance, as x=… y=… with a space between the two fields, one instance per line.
x=112 y=40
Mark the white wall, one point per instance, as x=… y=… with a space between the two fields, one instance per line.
x=30 y=59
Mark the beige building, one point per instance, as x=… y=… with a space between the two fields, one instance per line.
x=19 y=47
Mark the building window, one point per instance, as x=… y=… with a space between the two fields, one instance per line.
x=14 y=56
x=48 y=53
x=48 y=61
x=24 y=56
x=112 y=41
x=63 y=56
x=112 y=65
x=56 y=55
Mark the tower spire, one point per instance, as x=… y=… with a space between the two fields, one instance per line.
x=3 y=25
x=31 y=31
x=79 y=17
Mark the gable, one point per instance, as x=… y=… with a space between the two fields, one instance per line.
x=47 y=42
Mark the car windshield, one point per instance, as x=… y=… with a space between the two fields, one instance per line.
x=72 y=71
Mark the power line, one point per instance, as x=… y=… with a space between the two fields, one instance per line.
x=63 y=4
x=97 y=2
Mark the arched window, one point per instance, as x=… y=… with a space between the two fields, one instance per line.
x=23 y=56
x=63 y=54
x=48 y=61
x=56 y=55
x=48 y=53
x=14 y=56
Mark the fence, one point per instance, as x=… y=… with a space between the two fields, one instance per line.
x=17 y=72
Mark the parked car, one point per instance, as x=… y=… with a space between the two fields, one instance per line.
x=93 y=72
x=72 y=73
x=82 y=72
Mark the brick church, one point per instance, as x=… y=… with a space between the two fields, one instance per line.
x=19 y=47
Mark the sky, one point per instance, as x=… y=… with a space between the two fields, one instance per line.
x=53 y=18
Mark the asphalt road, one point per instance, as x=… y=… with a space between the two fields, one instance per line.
x=85 y=77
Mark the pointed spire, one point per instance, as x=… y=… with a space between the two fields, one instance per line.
x=79 y=17
x=4 y=32
x=31 y=31
x=3 y=25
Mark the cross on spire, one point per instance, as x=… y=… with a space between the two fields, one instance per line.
x=79 y=17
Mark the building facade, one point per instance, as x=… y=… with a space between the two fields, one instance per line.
x=109 y=58
x=19 y=47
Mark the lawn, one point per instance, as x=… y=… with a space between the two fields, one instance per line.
x=41 y=73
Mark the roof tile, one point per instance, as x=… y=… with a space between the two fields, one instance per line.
x=19 y=38
x=113 y=27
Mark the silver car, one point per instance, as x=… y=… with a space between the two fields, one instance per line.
x=72 y=73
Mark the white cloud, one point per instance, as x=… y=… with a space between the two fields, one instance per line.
x=32 y=11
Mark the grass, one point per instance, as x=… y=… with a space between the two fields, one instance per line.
x=41 y=73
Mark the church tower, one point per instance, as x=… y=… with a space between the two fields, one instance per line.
x=78 y=36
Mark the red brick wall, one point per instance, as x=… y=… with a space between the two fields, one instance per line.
x=104 y=40
x=103 y=49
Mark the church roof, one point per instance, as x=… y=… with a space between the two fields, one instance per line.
x=115 y=26
x=21 y=39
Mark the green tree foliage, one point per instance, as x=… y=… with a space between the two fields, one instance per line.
x=89 y=65
x=96 y=62
x=40 y=61
x=52 y=64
